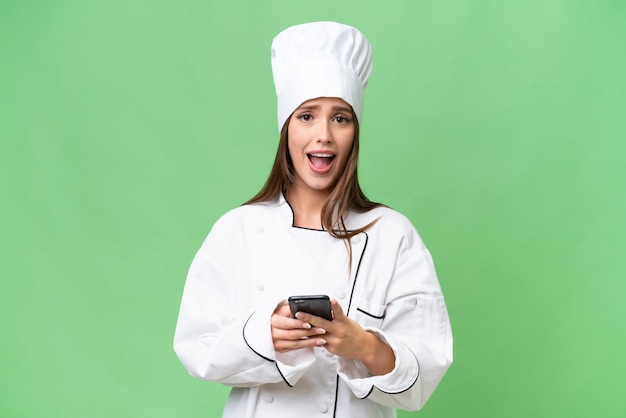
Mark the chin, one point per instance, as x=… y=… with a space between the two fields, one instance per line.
x=321 y=188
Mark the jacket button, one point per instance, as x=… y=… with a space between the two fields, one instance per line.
x=260 y=286
x=322 y=407
x=259 y=229
x=341 y=294
x=268 y=398
x=356 y=240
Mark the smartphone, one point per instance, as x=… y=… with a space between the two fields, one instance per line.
x=318 y=305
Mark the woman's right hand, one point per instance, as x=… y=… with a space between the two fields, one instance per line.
x=290 y=334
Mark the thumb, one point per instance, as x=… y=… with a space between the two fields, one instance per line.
x=337 y=309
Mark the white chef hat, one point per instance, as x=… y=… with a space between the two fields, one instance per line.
x=320 y=59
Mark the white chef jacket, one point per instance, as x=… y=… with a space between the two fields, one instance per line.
x=254 y=258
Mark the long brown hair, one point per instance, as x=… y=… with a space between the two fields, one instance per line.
x=345 y=196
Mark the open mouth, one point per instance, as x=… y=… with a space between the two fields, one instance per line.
x=321 y=162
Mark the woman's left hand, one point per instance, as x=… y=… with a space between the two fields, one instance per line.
x=346 y=338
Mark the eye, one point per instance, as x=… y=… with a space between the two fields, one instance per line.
x=305 y=117
x=341 y=119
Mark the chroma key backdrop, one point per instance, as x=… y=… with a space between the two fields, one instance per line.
x=127 y=127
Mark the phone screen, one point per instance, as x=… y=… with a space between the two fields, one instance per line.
x=318 y=305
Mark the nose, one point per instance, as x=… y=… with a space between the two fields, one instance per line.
x=324 y=135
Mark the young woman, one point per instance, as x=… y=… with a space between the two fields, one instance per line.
x=311 y=230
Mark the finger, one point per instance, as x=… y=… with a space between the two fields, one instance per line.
x=296 y=334
x=316 y=321
x=337 y=309
x=283 y=310
x=288 y=345
x=282 y=322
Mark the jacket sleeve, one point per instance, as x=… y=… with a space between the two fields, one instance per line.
x=219 y=336
x=413 y=321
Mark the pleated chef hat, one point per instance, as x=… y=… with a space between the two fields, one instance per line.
x=320 y=59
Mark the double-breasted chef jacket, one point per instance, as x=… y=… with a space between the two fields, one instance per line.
x=254 y=258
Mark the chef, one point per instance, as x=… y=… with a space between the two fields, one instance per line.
x=311 y=231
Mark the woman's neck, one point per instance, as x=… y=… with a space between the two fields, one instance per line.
x=307 y=207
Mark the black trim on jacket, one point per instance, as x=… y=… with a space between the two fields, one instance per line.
x=243 y=332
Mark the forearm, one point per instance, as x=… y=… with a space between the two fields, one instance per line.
x=221 y=355
x=224 y=356
x=378 y=357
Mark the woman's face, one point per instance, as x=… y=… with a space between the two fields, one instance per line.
x=320 y=132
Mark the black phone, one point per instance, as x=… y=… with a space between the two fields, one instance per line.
x=318 y=305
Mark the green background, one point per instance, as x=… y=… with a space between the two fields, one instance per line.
x=127 y=127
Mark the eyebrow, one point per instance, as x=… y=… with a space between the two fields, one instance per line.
x=334 y=108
